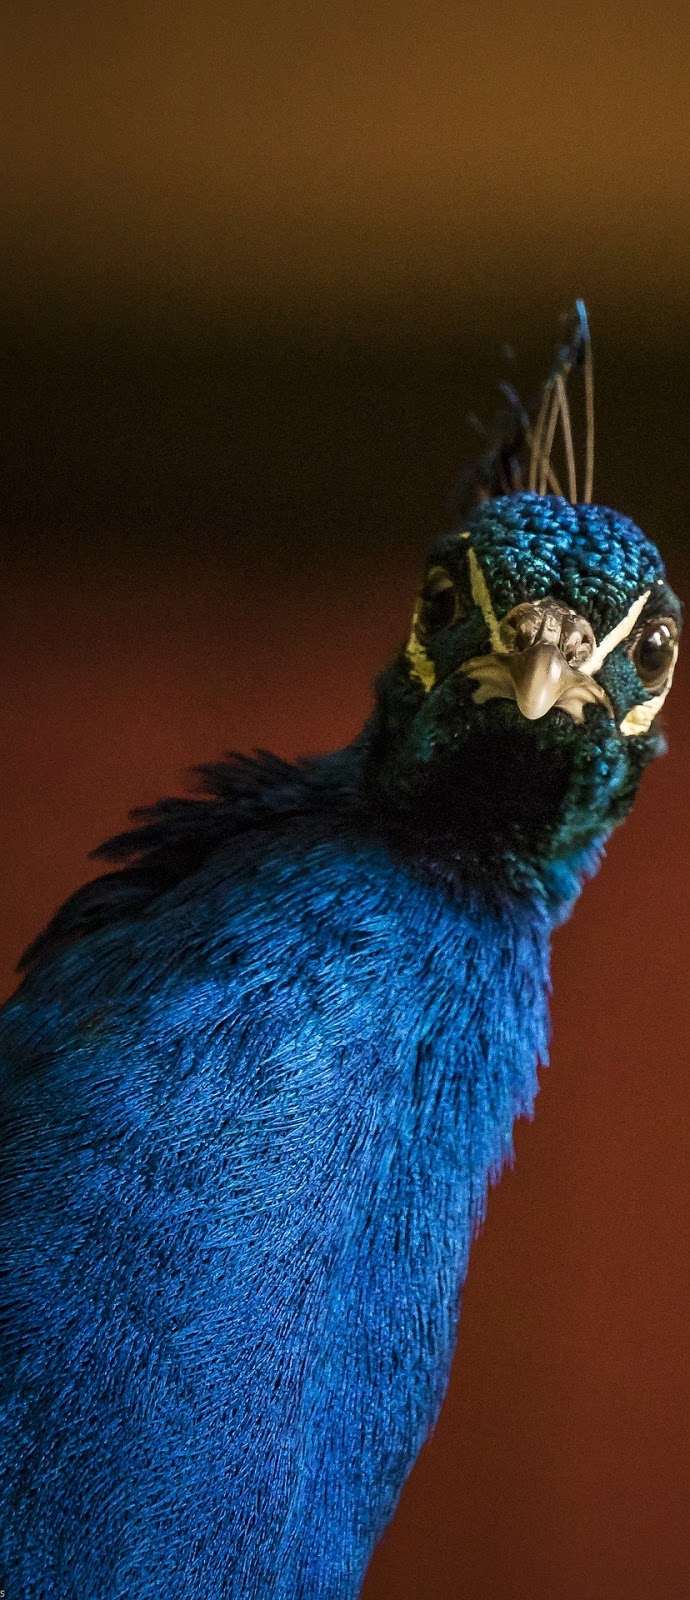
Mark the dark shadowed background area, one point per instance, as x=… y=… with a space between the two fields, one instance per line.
x=257 y=266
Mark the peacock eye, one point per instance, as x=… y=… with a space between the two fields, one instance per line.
x=653 y=652
x=437 y=606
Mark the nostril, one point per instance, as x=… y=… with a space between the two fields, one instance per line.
x=520 y=627
x=551 y=628
x=524 y=636
x=577 y=645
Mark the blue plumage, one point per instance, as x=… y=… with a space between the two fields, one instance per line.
x=256 y=1082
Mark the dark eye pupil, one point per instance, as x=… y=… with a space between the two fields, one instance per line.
x=438 y=604
x=654 y=654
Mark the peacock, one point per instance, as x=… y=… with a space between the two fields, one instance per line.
x=258 y=1076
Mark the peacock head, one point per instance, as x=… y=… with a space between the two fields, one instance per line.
x=519 y=717
x=524 y=707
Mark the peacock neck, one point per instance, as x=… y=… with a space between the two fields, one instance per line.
x=499 y=867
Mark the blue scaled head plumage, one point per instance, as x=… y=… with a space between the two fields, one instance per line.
x=524 y=706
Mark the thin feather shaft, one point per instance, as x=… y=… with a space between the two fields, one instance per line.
x=567 y=438
x=589 y=406
x=549 y=433
x=536 y=452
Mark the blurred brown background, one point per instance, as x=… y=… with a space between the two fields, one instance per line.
x=257 y=265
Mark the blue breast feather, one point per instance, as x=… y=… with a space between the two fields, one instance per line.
x=248 y=1136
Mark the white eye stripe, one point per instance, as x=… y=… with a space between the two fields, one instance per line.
x=621 y=631
x=482 y=598
x=639 y=719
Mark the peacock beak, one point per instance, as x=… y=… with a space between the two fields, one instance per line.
x=540 y=676
x=541 y=653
